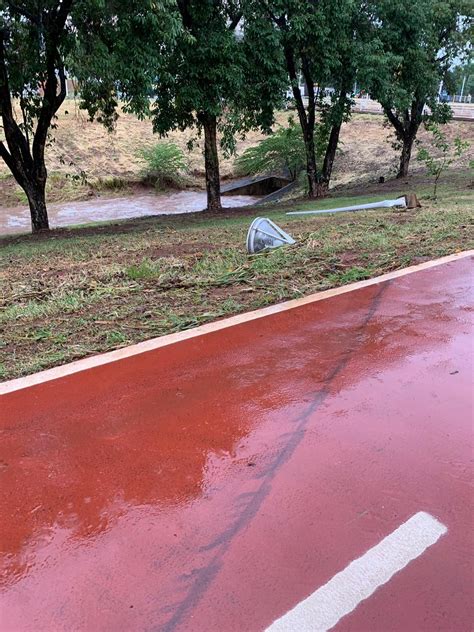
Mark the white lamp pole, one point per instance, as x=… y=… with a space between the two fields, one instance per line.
x=462 y=88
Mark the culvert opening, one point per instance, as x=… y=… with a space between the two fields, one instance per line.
x=261 y=186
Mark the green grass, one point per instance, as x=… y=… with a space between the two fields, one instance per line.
x=88 y=290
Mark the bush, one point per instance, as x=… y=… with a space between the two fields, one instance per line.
x=442 y=155
x=282 y=151
x=166 y=165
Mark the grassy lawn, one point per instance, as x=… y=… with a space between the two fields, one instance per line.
x=83 y=291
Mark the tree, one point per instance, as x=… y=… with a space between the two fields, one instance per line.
x=209 y=80
x=351 y=57
x=322 y=44
x=40 y=41
x=420 y=40
x=34 y=39
x=298 y=25
x=442 y=155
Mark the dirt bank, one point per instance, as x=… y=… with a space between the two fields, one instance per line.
x=86 y=160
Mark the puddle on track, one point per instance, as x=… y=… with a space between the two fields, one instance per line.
x=17 y=219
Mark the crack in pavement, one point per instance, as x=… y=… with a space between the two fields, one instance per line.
x=203 y=577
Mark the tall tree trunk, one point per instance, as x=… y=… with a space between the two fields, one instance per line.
x=35 y=193
x=406 y=127
x=407 y=146
x=315 y=188
x=307 y=119
x=340 y=110
x=211 y=159
x=311 y=167
x=330 y=154
x=30 y=173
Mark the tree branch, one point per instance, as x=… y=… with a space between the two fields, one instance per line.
x=7 y=157
x=52 y=99
x=17 y=144
x=61 y=15
x=279 y=21
x=62 y=85
x=235 y=21
x=183 y=7
x=394 y=120
x=23 y=12
x=311 y=94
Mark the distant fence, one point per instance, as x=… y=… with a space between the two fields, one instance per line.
x=463 y=111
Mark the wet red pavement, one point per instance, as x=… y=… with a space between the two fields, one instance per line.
x=213 y=484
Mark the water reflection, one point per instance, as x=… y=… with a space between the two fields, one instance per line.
x=127 y=480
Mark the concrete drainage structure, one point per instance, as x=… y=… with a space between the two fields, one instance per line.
x=270 y=187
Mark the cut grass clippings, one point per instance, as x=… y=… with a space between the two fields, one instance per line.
x=84 y=291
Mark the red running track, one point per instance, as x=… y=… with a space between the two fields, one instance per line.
x=212 y=484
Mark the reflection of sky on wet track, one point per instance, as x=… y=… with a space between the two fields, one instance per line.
x=213 y=484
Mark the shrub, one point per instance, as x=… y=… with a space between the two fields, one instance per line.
x=442 y=155
x=282 y=151
x=165 y=165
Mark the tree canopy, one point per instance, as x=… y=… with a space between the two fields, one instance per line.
x=324 y=45
x=419 y=42
x=41 y=41
x=218 y=79
x=221 y=67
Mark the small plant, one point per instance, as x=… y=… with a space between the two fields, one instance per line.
x=109 y=183
x=438 y=161
x=166 y=165
x=283 y=150
x=143 y=270
x=115 y=337
x=80 y=177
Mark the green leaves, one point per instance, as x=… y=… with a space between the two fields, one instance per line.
x=211 y=68
x=442 y=155
x=418 y=44
x=118 y=52
x=283 y=151
x=165 y=164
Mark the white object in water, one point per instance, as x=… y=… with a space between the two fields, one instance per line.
x=263 y=233
x=400 y=202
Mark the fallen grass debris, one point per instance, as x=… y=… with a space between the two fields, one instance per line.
x=83 y=291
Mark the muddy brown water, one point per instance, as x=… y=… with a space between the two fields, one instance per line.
x=17 y=219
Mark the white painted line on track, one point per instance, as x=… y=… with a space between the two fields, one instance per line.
x=358 y=581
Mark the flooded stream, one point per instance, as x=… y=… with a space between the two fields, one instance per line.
x=17 y=219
